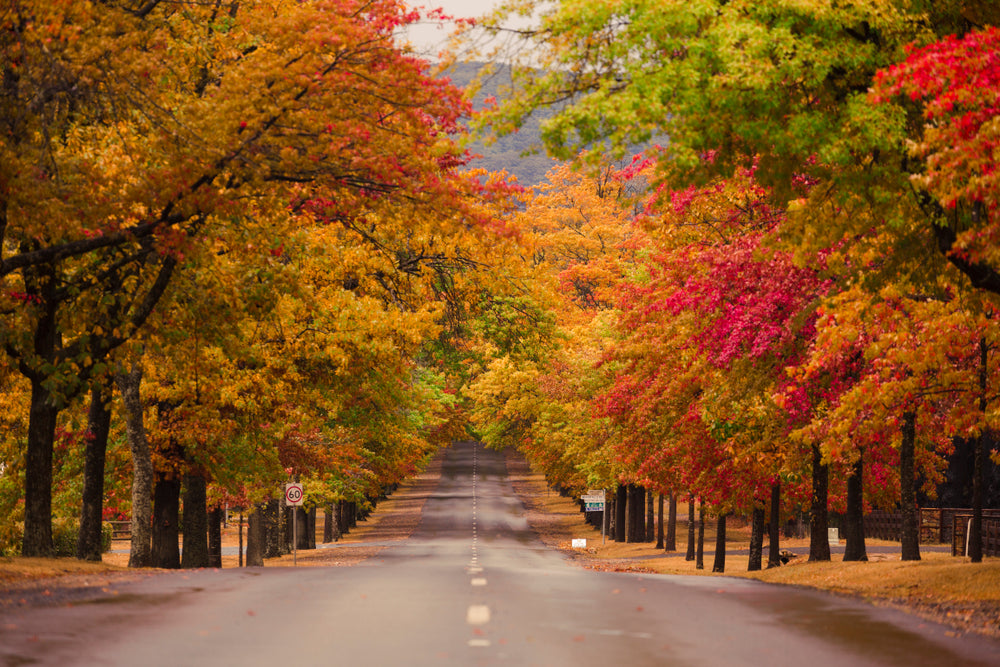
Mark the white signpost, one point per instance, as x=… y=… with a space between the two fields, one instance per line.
x=593 y=501
x=294 y=497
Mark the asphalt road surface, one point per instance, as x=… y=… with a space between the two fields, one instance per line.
x=473 y=586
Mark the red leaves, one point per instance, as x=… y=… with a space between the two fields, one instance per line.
x=24 y=297
x=958 y=83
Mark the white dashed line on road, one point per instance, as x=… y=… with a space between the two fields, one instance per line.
x=478 y=614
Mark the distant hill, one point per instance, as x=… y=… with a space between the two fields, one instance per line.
x=506 y=152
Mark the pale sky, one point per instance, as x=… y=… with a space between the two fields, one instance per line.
x=430 y=38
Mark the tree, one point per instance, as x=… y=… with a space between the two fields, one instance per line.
x=953 y=144
x=786 y=83
x=136 y=129
x=789 y=85
x=707 y=330
x=541 y=368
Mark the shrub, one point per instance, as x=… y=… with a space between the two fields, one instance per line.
x=66 y=532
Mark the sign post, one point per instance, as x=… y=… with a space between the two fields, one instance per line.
x=593 y=501
x=294 y=497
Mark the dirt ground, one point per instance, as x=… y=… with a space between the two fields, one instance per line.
x=67 y=580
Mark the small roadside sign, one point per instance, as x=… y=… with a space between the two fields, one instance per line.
x=293 y=494
x=593 y=502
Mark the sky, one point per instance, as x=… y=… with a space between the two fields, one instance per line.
x=430 y=38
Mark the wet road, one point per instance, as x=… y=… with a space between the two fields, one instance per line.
x=472 y=586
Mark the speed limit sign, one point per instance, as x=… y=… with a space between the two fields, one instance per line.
x=293 y=493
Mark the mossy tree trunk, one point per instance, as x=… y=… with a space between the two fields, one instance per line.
x=143 y=474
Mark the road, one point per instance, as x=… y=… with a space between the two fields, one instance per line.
x=473 y=586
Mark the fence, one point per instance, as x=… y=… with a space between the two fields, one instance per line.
x=961 y=521
x=938 y=525
x=120 y=530
x=884 y=525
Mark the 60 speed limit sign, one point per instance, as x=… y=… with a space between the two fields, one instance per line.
x=293 y=493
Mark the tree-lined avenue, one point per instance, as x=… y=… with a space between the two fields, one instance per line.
x=472 y=586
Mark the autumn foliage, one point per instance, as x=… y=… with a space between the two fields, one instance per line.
x=247 y=240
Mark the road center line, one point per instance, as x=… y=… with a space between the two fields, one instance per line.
x=478 y=614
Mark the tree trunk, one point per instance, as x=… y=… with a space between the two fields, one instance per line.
x=140 y=551
x=621 y=517
x=287 y=529
x=166 y=508
x=979 y=465
x=699 y=558
x=854 y=521
x=301 y=527
x=650 y=520
x=636 y=514
x=215 y=519
x=910 y=530
x=659 y=521
x=819 y=539
x=774 y=532
x=312 y=528
x=342 y=517
x=670 y=541
x=337 y=526
x=42 y=417
x=240 y=531
x=609 y=507
x=756 y=539
x=328 y=524
x=978 y=481
x=630 y=500
x=255 y=537
x=690 y=545
x=270 y=525
x=719 y=565
x=195 y=517
x=89 y=544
